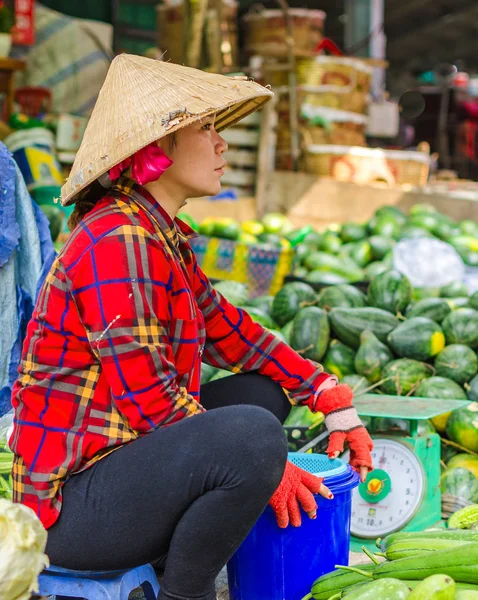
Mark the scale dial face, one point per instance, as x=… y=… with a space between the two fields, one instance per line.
x=392 y=492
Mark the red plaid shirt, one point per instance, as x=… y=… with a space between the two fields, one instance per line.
x=114 y=347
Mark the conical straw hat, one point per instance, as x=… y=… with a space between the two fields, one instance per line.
x=143 y=100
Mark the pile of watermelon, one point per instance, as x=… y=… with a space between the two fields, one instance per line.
x=355 y=252
x=387 y=341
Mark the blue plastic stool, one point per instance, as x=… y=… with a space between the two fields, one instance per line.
x=98 y=585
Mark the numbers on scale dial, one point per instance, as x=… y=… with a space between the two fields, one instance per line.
x=392 y=493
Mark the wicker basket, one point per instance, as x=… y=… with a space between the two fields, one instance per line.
x=265 y=30
x=173 y=31
x=368 y=165
x=323 y=125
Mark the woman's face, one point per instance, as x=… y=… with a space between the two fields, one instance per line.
x=198 y=161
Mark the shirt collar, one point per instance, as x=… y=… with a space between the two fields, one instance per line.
x=140 y=195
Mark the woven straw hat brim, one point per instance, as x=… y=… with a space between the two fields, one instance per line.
x=143 y=100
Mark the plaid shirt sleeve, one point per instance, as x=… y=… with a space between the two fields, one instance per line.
x=120 y=288
x=236 y=343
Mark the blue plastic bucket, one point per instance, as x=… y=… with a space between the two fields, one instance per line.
x=34 y=152
x=282 y=564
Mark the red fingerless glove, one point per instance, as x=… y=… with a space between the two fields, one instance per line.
x=297 y=487
x=344 y=425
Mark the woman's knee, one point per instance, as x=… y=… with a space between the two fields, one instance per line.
x=258 y=439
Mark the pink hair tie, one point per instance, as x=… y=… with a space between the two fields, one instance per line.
x=147 y=165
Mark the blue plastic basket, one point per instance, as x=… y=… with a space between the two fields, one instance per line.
x=278 y=564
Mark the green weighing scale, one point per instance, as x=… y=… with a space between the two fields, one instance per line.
x=403 y=490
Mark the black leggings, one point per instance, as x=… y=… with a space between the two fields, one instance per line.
x=183 y=497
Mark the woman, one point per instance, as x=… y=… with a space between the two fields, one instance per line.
x=118 y=450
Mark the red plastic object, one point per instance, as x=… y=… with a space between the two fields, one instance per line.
x=33 y=101
x=328 y=44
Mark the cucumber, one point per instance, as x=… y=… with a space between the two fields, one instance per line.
x=418 y=546
x=332 y=583
x=371 y=357
x=353 y=232
x=380 y=245
x=459 y=563
x=325 y=278
x=390 y=291
x=432 y=536
x=419 y=338
x=348 y=323
x=435 y=587
x=328 y=263
x=310 y=332
x=383 y=589
x=466 y=595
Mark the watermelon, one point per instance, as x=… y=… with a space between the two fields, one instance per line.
x=279 y=335
x=263 y=303
x=345 y=296
x=461 y=327
x=287 y=331
x=260 y=317
x=290 y=299
x=435 y=309
x=302 y=416
x=380 y=245
x=457 y=362
x=338 y=265
x=403 y=376
x=458 y=302
x=469 y=227
x=348 y=323
x=359 y=252
x=353 y=232
x=374 y=269
x=425 y=221
x=472 y=389
x=422 y=293
x=465 y=461
x=220 y=374
x=412 y=231
x=443 y=388
x=339 y=360
x=390 y=291
x=385 y=226
x=330 y=243
x=310 y=332
x=422 y=208
x=234 y=292
x=392 y=212
x=455 y=289
x=462 y=426
x=473 y=301
x=371 y=357
x=324 y=278
x=207 y=371
x=358 y=384
x=419 y=338
x=461 y=483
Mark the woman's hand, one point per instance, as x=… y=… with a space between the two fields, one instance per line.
x=297 y=488
x=344 y=425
